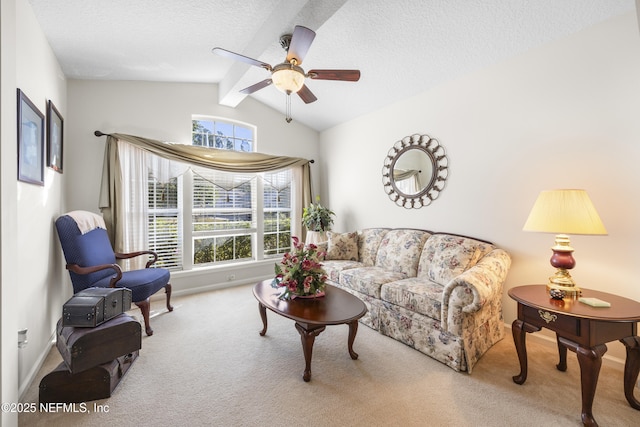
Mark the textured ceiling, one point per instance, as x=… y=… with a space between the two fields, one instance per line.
x=402 y=47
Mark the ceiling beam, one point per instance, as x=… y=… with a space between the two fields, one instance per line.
x=285 y=16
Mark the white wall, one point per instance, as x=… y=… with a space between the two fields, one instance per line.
x=32 y=288
x=163 y=111
x=561 y=116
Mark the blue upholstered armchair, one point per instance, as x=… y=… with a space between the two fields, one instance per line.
x=91 y=262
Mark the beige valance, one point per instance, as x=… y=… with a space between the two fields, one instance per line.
x=214 y=158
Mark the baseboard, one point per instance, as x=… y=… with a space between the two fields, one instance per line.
x=36 y=367
x=209 y=287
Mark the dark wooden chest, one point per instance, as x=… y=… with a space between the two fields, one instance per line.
x=94 y=306
x=85 y=348
x=98 y=382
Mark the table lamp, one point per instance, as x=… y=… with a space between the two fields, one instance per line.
x=564 y=212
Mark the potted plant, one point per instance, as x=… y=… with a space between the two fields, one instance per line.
x=317 y=219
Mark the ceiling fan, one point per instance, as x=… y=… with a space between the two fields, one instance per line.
x=288 y=76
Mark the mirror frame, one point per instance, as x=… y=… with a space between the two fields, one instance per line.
x=439 y=171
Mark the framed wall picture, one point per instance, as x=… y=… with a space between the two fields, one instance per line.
x=30 y=141
x=55 y=124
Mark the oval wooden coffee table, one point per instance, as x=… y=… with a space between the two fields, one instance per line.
x=312 y=315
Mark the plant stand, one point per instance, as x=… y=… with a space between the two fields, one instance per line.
x=316 y=237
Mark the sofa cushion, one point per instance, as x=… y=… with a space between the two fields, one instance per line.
x=342 y=246
x=400 y=251
x=368 y=280
x=446 y=256
x=368 y=244
x=333 y=268
x=415 y=294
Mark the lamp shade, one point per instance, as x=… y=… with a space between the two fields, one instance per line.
x=566 y=212
x=288 y=78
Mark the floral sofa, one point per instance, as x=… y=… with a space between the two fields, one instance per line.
x=438 y=293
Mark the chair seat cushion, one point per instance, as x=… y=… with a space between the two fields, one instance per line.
x=143 y=283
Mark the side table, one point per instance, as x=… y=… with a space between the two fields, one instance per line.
x=582 y=329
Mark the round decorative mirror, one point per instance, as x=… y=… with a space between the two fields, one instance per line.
x=415 y=171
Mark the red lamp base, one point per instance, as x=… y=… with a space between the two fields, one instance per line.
x=562 y=259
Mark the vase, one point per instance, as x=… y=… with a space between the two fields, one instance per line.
x=316 y=237
x=316 y=295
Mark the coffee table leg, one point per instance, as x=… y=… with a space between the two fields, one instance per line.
x=631 y=369
x=308 y=337
x=263 y=316
x=353 y=329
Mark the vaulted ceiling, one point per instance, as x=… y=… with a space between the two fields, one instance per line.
x=402 y=47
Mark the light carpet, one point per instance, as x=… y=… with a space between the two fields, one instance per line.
x=206 y=365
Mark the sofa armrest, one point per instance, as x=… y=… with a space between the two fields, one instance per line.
x=471 y=290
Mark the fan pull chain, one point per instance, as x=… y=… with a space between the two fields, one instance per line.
x=288 y=108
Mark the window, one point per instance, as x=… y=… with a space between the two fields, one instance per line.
x=208 y=217
x=223 y=216
x=214 y=133
x=165 y=237
x=277 y=212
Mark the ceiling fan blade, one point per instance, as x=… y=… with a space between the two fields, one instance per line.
x=232 y=55
x=345 y=75
x=256 y=87
x=300 y=42
x=306 y=95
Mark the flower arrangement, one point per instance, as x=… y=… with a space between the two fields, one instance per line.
x=300 y=271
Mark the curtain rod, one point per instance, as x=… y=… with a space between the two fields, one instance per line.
x=100 y=133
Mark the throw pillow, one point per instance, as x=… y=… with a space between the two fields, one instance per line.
x=342 y=246
x=445 y=257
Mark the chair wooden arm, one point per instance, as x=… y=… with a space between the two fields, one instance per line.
x=138 y=253
x=87 y=270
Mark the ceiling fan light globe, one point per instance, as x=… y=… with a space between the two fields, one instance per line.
x=288 y=79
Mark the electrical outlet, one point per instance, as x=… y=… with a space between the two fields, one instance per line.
x=231 y=277
x=22 y=338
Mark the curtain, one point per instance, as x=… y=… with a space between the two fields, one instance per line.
x=302 y=197
x=129 y=158
x=407 y=181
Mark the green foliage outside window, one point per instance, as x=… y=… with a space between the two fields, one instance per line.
x=230 y=248
x=222 y=249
